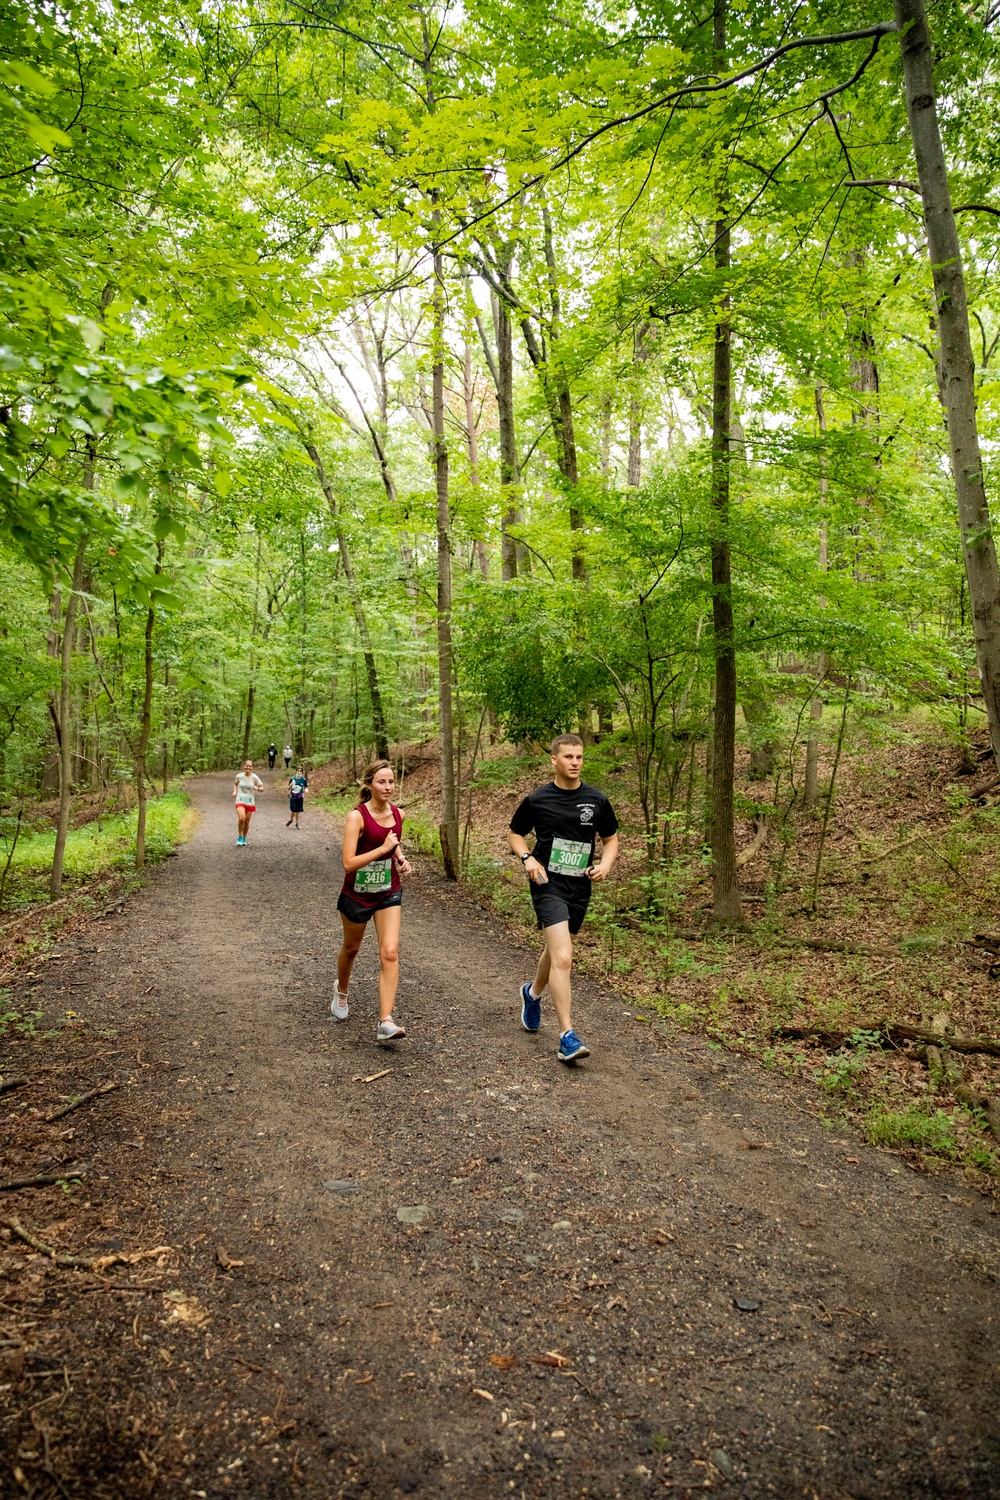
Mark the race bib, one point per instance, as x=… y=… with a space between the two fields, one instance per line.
x=372 y=879
x=569 y=857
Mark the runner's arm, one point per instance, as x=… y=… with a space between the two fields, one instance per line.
x=353 y=861
x=532 y=868
x=609 y=854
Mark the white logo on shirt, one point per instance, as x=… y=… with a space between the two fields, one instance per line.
x=586 y=812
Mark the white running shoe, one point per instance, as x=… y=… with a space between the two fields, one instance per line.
x=338 y=1007
x=388 y=1031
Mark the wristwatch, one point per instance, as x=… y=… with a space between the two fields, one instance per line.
x=525 y=857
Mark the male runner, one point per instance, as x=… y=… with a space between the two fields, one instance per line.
x=288 y=756
x=298 y=785
x=272 y=755
x=566 y=816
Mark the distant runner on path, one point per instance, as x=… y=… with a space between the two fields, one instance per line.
x=566 y=815
x=298 y=785
x=272 y=755
x=373 y=866
x=288 y=756
x=245 y=789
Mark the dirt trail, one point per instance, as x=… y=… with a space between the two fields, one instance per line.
x=602 y=1221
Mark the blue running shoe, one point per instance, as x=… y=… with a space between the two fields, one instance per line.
x=531 y=1009
x=571 y=1049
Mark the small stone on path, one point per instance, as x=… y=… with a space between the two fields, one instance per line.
x=746 y=1304
x=414 y=1215
x=342 y=1189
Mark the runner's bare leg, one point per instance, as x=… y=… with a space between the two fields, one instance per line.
x=554 y=967
x=354 y=933
x=387 y=927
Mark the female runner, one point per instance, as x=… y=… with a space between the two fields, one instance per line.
x=245 y=789
x=373 y=865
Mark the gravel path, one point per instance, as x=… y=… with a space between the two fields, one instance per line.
x=483 y=1274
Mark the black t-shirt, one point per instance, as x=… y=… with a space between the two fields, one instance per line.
x=566 y=825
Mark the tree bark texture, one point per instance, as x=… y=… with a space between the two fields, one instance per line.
x=957 y=368
x=508 y=440
x=810 y=790
x=727 y=910
x=446 y=726
x=145 y=728
x=63 y=724
x=357 y=605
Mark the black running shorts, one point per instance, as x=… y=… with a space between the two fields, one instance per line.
x=561 y=900
x=355 y=912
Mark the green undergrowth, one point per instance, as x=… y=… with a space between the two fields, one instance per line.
x=101 y=847
x=740 y=991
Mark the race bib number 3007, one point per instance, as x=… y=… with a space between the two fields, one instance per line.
x=569 y=857
x=371 y=879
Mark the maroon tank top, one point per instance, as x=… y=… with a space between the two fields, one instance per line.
x=373 y=882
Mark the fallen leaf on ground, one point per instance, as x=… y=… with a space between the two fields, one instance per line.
x=556 y=1361
x=503 y=1361
x=184 y=1308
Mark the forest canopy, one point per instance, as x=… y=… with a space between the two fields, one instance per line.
x=384 y=373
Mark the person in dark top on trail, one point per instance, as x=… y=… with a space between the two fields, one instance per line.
x=373 y=865
x=566 y=815
x=298 y=785
x=272 y=755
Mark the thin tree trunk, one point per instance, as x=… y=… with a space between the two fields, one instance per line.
x=248 y=725
x=357 y=605
x=449 y=804
x=508 y=440
x=144 y=732
x=472 y=443
x=958 y=391
x=65 y=692
x=727 y=910
x=811 y=788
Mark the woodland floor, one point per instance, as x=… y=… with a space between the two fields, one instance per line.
x=562 y=1322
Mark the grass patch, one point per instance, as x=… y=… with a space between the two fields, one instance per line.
x=927 y=1131
x=98 y=848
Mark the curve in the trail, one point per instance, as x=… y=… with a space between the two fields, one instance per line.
x=651 y=1271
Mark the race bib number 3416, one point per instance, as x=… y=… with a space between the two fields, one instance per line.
x=373 y=878
x=569 y=857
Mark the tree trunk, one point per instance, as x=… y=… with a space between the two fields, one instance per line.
x=811 y=789
x=50 y=766
x=248 y=725
x=472 y=443
x=449 y=803
x=958 y=389
x=63 y=724
x=727 y=910
x=357 y=605
x=142 y=747
x=508 y=440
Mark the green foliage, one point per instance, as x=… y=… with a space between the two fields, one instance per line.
x=522 y=659
x=927 y=1130
x=97 y=847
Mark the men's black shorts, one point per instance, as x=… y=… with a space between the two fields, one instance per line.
x=355 y=912
x=563 y=899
